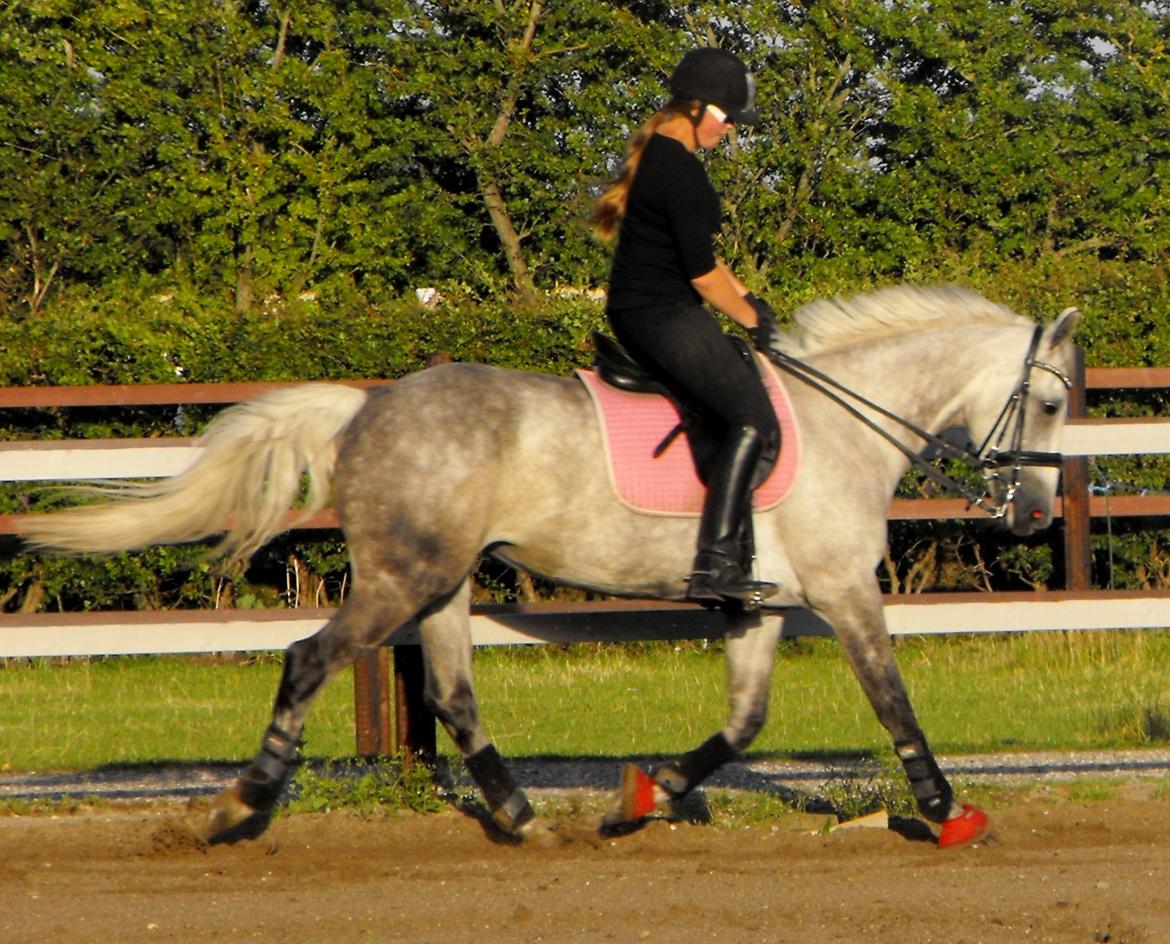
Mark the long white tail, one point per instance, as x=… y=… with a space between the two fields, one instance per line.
x=247 y=478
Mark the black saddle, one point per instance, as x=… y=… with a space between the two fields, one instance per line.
x=615 y=366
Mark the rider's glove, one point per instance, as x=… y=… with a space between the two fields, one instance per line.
x=765 y=333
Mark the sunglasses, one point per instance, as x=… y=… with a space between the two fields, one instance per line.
x=719 y=115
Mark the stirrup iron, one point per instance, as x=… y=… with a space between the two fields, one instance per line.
x=719 y=579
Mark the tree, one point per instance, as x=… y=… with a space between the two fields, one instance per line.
x=516 y=109
x=63 y=187
x=246 y=149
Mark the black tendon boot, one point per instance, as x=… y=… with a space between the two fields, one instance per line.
x=718 y=574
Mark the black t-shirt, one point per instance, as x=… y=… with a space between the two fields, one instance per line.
x=667 y=234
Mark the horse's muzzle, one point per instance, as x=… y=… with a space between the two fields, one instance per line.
x=1026 y=516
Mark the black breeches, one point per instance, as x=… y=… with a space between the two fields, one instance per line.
x=684 y=347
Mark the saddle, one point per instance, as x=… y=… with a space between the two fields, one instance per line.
x=616 y=367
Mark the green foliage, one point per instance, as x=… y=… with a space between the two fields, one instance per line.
x=1128 y=556
x=245 y=150
x=239 y=153
x=886 y=790
x=365 y=787
x=150 y=340
x=506 y=114
x=963 y=135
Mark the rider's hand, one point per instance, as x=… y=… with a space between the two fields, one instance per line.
x=764 y=334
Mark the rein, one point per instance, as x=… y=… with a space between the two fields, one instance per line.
x=989 y=459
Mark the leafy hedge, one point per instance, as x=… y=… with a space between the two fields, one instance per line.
x=240 y=149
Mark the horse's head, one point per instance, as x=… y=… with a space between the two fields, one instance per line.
x=1021 y=435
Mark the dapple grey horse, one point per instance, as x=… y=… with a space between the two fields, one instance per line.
x=431 y=471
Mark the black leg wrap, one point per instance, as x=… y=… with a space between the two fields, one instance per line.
x=680 y=776
x=507 y=802
x=927 y=782
x=264 y=779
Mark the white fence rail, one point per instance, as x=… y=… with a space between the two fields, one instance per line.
x=68 y=460
x=191 y=631
x=33 y=635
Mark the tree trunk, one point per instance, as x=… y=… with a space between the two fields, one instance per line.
x=510 y=239
x=489 y=188
x=244 y=287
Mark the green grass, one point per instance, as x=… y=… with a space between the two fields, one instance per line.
x=1032 y=691
x=84 y=713
x=1035 y=691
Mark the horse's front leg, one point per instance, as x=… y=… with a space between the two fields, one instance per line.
x=750 y=642
x=859 y=622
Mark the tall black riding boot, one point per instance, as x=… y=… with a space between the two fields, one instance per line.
x=718 y=574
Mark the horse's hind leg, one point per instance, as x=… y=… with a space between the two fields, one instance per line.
x=446 y=636
x=243 y=810
x=750 y=641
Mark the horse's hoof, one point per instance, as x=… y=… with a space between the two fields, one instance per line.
x=637 y=797
x=536 y=834
x=231 y=819
x=968 y=826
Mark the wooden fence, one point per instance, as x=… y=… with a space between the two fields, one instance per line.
x=381 y=729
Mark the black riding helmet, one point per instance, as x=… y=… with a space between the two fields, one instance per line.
x=716 y=77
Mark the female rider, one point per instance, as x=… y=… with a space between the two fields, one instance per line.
x=666 y=214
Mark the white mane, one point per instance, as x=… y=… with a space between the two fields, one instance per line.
x=832 y=323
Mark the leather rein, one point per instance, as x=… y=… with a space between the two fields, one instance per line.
x=991 y=459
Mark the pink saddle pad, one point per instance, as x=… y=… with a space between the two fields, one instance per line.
x=634 y=425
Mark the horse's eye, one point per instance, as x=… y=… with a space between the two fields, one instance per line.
x=1050 y=407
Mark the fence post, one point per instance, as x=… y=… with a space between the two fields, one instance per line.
x=413 y=728
x=414 y=725
x=1078 y=562
x=371 y=703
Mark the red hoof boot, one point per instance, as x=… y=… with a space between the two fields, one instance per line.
x=636 y=798
x=967 y=826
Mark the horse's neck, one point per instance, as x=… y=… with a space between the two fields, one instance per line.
x=923 y=376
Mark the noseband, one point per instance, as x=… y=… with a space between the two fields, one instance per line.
x=991 y=459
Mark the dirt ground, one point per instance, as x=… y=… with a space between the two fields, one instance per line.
x=1053 y=871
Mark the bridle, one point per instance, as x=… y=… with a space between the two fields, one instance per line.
x=990 y=458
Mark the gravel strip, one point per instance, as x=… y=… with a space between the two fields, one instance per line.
x=139 y=783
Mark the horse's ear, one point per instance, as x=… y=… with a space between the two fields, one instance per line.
x=1062 y=328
